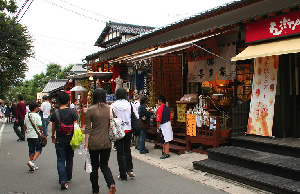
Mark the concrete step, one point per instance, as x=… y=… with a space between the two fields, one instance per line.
x=279 y=165
x=268 y=182
x=287 y=147
x=179 y=141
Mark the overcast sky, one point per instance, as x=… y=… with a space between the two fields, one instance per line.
x=64 y=31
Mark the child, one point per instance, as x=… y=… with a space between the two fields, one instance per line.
x=35 y=147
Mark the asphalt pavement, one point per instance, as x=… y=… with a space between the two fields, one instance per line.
x=173 y=175
x=151 y=178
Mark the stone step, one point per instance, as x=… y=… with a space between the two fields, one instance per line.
x=268 y=182
x=180 y=135
x=287 y=147
x=279 y=165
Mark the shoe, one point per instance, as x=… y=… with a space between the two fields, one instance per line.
x=164 y=156
x=131 y=174
x=143 y=152
x=64 y=186
x=146 y=150
x=114 y=148
x=31 y=166
x=119 y=177
x=69 y=181
x=112 y=189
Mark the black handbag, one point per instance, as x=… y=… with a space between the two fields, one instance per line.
x=42 y=138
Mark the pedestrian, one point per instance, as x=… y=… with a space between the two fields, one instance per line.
x=62 y=120
x=13 y=112
x=97 y=140
x=7 y=113
x=20 y=115
x=46 y=108
x=34 y=144
x=136 y=129
x=144 y=116
x=122 y=109
x=1 y=110
x=164 y=127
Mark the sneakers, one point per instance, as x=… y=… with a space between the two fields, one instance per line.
x=64 y=186
x=131 y=174
x=31 y=166
x=69 y=181
x=164 y=156
x=112 y=189
x=119 y=178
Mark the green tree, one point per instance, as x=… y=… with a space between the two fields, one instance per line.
x=15 y=48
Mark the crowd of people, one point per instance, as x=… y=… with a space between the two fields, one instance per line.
x=97 y=142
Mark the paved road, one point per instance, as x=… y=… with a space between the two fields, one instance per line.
x=15 y=177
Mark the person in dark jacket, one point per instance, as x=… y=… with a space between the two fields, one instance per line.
x=144 y=116
x=20 y=115
x=13 y=112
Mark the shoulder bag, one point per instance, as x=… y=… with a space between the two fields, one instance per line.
x=63 y=128
x=42 y=138
x=116 y=130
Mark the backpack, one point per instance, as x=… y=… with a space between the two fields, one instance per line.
x=63 y=128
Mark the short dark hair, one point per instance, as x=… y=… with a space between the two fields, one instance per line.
x=45 y=97
x=33 y=105
x=143 y=100
x=121 y=94
x=20 y=97
x=162 y=99
x=63 y=98
x=99 y=95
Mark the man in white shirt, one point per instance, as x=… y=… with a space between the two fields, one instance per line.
x=45 y=107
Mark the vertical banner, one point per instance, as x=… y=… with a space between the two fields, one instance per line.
x=197 y=71
x=191 y=124
x=181 y=109
x=264 y=84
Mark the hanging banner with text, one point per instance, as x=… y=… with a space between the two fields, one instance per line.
x=181 y=109
x=191 y=124
x=196 y=54
x=264 y=84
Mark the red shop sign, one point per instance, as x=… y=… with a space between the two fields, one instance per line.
x=274 y=27
x=196 y=54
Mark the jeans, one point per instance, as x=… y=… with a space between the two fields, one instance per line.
x=100 y=158
x=34 y=145
x=65 y=155
x=45 y=122
x=20 y=134
x=124 y=155
x=142 y=140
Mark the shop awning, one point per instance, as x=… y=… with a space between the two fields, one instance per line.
x=166 y=50
x=281 y=47
x=93 y=74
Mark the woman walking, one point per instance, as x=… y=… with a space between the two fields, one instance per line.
x=97 y=140
x=122 y=109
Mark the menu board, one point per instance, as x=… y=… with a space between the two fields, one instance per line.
x=191 y=124
x=181 y=109
x=264 y=84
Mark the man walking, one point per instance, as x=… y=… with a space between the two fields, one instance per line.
x=21 y=112
x=45 y=107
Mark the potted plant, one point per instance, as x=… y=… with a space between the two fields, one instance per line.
x=225 y=131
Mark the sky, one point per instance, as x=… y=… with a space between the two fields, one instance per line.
x=64 y=31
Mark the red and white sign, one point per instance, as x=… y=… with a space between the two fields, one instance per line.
x=273 y=27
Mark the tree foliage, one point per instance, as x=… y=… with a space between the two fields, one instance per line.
x=15 y=48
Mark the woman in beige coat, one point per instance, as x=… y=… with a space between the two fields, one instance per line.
x=97 y=140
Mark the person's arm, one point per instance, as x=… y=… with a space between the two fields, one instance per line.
x=87 y=128
x=17 y=112
x=53 y=132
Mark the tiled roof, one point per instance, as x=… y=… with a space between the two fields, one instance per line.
x=54 y=85
x=77 y=68
x=123 y=29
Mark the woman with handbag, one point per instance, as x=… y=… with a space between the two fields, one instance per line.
x=144 y=116
x=97 y=140
x=32 y=121
x=122 y=110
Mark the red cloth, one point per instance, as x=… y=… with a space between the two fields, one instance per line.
x=159 y=114
x=21 y=110
x=116 y=73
